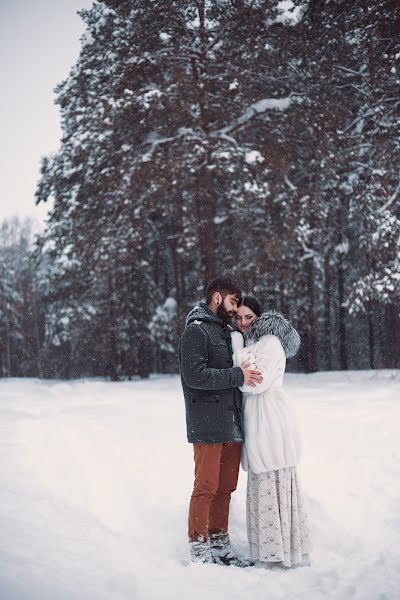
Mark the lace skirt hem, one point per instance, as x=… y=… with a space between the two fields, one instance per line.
x=277 y=527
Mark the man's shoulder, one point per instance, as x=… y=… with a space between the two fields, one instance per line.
x=207 y=328
x=196 y=326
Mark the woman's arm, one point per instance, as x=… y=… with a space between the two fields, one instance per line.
x=241 y=354
x=270 y=360
x=237 y=347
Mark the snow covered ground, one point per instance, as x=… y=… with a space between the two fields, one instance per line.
x=95 y=479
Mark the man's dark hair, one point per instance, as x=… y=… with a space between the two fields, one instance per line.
x=251 y=303
x=223 y=285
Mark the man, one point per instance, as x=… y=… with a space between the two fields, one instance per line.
x=213 y=418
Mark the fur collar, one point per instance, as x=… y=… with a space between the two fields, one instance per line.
x=273 y=322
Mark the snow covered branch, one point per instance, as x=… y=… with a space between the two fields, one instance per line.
x=392 y=199
x=256 y=109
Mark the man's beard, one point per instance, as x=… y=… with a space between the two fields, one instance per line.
x=223 y=314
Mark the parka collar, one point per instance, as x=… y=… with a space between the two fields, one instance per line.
x=201 y=312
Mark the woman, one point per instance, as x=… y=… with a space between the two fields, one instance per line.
x=276 y=521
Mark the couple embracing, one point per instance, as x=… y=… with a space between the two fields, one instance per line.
x=236 y=412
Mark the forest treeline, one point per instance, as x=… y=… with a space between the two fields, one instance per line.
x=253 y=138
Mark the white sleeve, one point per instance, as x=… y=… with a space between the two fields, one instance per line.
x=270 y=361
x=237 y=348
x=244 y=356
x=241 y=354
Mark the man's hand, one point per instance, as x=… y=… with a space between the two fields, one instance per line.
x=251 y=376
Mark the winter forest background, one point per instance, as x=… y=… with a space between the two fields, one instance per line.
x=250 y=137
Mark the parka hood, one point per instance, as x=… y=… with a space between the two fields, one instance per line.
x=201 y=312
x=273 y=322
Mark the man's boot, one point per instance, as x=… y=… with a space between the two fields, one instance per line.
x=200 y=551
x=222 y=552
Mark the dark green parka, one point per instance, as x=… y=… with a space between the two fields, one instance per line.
x=209 y=380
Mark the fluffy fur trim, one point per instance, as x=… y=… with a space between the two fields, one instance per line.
x=273 y=322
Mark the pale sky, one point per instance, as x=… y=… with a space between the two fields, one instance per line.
x=39 y=43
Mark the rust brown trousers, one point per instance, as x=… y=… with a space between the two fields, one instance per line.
x=216 y=474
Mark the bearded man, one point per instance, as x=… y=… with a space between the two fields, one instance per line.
x=213 y=418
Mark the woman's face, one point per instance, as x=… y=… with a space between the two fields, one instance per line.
x=244 y=318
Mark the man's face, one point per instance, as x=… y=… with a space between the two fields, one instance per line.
x=228 y=308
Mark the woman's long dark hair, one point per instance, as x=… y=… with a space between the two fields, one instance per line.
x=251 y=303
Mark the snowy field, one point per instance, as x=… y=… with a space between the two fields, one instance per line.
x=95 y=479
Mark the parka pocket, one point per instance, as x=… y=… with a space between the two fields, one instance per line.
x=203 y=398
x=220 y=356
x=206 y=413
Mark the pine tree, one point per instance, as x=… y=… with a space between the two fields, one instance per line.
x=201 y=137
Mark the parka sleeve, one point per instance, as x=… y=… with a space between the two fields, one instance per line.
x=270 y=361
x=194 y=359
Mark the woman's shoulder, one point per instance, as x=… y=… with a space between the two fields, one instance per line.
x=276 y=329
x=236 y=335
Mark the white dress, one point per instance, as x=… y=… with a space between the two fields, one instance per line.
x=277 y=526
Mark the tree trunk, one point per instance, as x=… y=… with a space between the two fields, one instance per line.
x=343 y=357
x=112 y=350
x=7 y=349
x=391 y=340
x=371 y=336
x=39 y=369
x=327 y=313
x=311 y=331
x=205 y=203
x=205 y=193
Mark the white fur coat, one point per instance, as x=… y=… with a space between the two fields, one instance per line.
x=271 y=437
